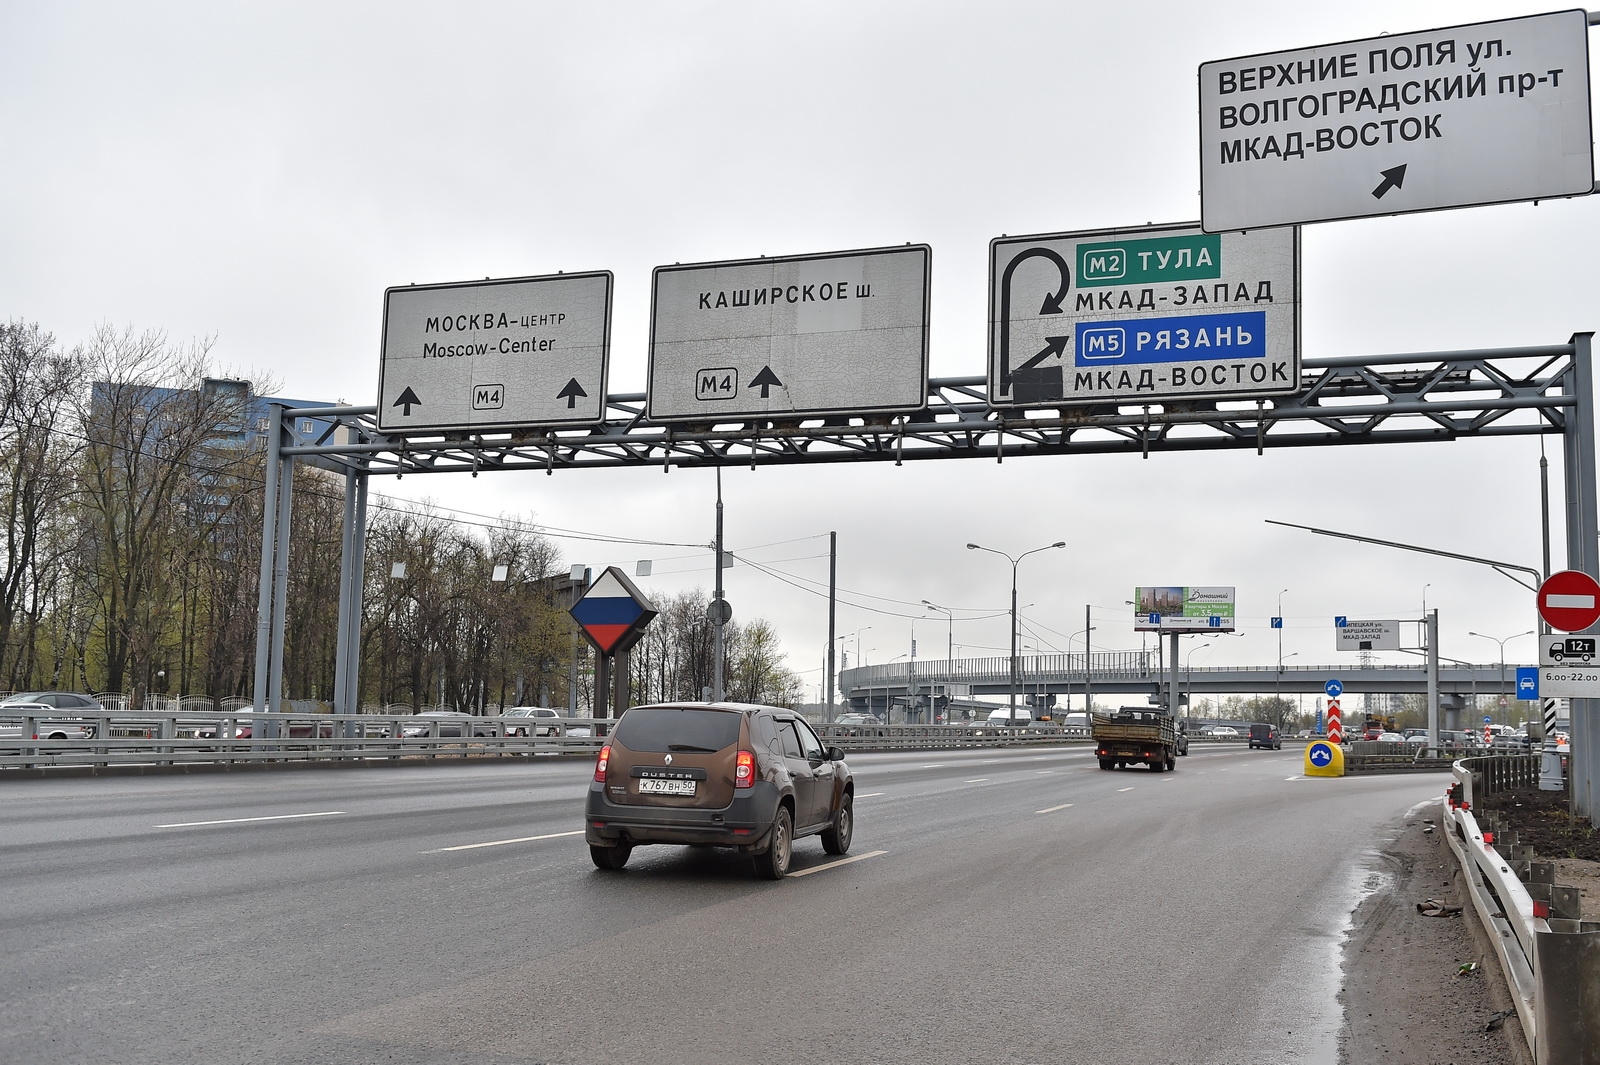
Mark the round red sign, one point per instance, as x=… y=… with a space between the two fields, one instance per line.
x=1570 y=601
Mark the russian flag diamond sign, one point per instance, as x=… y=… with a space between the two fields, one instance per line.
x=613 y=614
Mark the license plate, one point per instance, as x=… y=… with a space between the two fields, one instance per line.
x=666 y=787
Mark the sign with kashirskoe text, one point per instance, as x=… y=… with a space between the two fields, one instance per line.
x=790 y=337
x=1490 y=112
x=1143 y=314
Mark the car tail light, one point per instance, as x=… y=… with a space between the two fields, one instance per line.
x=744 y=771
x=601 y=762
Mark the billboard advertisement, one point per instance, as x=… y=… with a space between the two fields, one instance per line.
x=1171 y=608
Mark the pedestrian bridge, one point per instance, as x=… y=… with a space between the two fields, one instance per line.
x=907 y=686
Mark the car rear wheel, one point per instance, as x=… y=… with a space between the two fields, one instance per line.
x=836 y=837
x=1158 y=765
x=773 y=863
x=610 y=858
x=1172 y=763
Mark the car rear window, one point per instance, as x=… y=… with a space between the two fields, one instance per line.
x=677 y=729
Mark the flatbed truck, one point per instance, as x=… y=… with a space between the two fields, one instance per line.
x=1133 y=734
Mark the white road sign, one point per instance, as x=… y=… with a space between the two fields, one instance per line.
x=790 y=336
x=523 y=351
x=1368 y=636
x=1569 y=666
x=1490 y=112
x=1143 y=313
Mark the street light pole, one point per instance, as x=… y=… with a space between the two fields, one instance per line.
x=1502 y=645
x=949 y=654
x=1014 y=562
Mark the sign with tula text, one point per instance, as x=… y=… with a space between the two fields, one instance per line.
x=515 y=352
x=788 y=337
x=1143 y=315
x=1171 y=608
x=1485 y=113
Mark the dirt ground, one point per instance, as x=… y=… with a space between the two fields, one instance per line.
x=1404 y=1002
x=1543 y=822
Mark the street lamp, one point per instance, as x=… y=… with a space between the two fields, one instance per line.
x=1277 y=691
x=1088 y=708
x=1188 y=679
x=949 y=654
x=1502 y=645
x=975 y=547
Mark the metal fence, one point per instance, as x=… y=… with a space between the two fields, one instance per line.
x=1550 y=956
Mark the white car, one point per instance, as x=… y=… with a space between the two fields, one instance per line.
x=544 y=724
x=1224 y=732
x=1390 y=737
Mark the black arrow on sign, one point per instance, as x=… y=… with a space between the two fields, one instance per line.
x=766 y=379
x=408 y=399
x=1052 y=304
x=1054 y=346
x=570 y=392
x=1393 y=178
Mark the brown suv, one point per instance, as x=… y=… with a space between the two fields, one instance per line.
x=717 y=774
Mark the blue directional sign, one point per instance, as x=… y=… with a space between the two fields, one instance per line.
x=1334 y=688
x=1527 y=682
x=1277 y=623
x=1155 y=619
x=1487 y=720
x=1339 y=621
x=1320 y=753
x=1214 y=621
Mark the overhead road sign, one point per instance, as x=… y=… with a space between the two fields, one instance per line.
x=1182 y=609
x=1490 y=112
x=790 y=337
x=1367 y=635
x=613 y=613
x=1569 y=600
x=512 y=353
x=1145 y=314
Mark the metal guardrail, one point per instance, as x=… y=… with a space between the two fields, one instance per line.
x=185 y=739
x=1552 y=964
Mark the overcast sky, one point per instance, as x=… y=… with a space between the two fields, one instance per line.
x=260 y=173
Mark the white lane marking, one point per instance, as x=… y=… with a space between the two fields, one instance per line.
x=503 y=842
x=1053 y=809
x=1124 y=789
x=988 y=761
x=936 y=765
x=1296 y=778
x=976 y=780
x=872 y=795
x=243 y=820
x=841 y=861
x=1044 y=771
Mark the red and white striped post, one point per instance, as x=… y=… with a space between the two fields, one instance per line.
x=1335 y=732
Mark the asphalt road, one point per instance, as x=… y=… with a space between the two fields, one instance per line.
x=999 y=907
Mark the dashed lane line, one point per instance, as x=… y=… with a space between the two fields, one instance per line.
x=1053 y=809
x=504 y=842
x=1124 y=789
x=872 y=795
x=246 y=820
x=975 y=780
x=835 y=865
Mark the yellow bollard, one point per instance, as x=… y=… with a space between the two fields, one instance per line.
x=1324 y=759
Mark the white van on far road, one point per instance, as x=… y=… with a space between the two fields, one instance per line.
x=1002 y=717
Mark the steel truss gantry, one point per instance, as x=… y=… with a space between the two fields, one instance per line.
x=1384 y=399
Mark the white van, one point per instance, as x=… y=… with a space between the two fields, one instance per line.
x=1002 y=717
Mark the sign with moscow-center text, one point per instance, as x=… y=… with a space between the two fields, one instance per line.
x=1143 y=314
x=522 y=351
x=792 y=336
x=1486 y=113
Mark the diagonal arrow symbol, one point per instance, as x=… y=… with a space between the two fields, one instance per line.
x=407 y=400
x=1056 y=346
x=570 y=392
x=1393 y=178
x=765 y=379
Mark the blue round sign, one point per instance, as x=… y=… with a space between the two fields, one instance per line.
x=1334 y=688
x=1320 y=754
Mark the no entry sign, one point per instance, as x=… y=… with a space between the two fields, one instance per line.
x=1569 y=601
